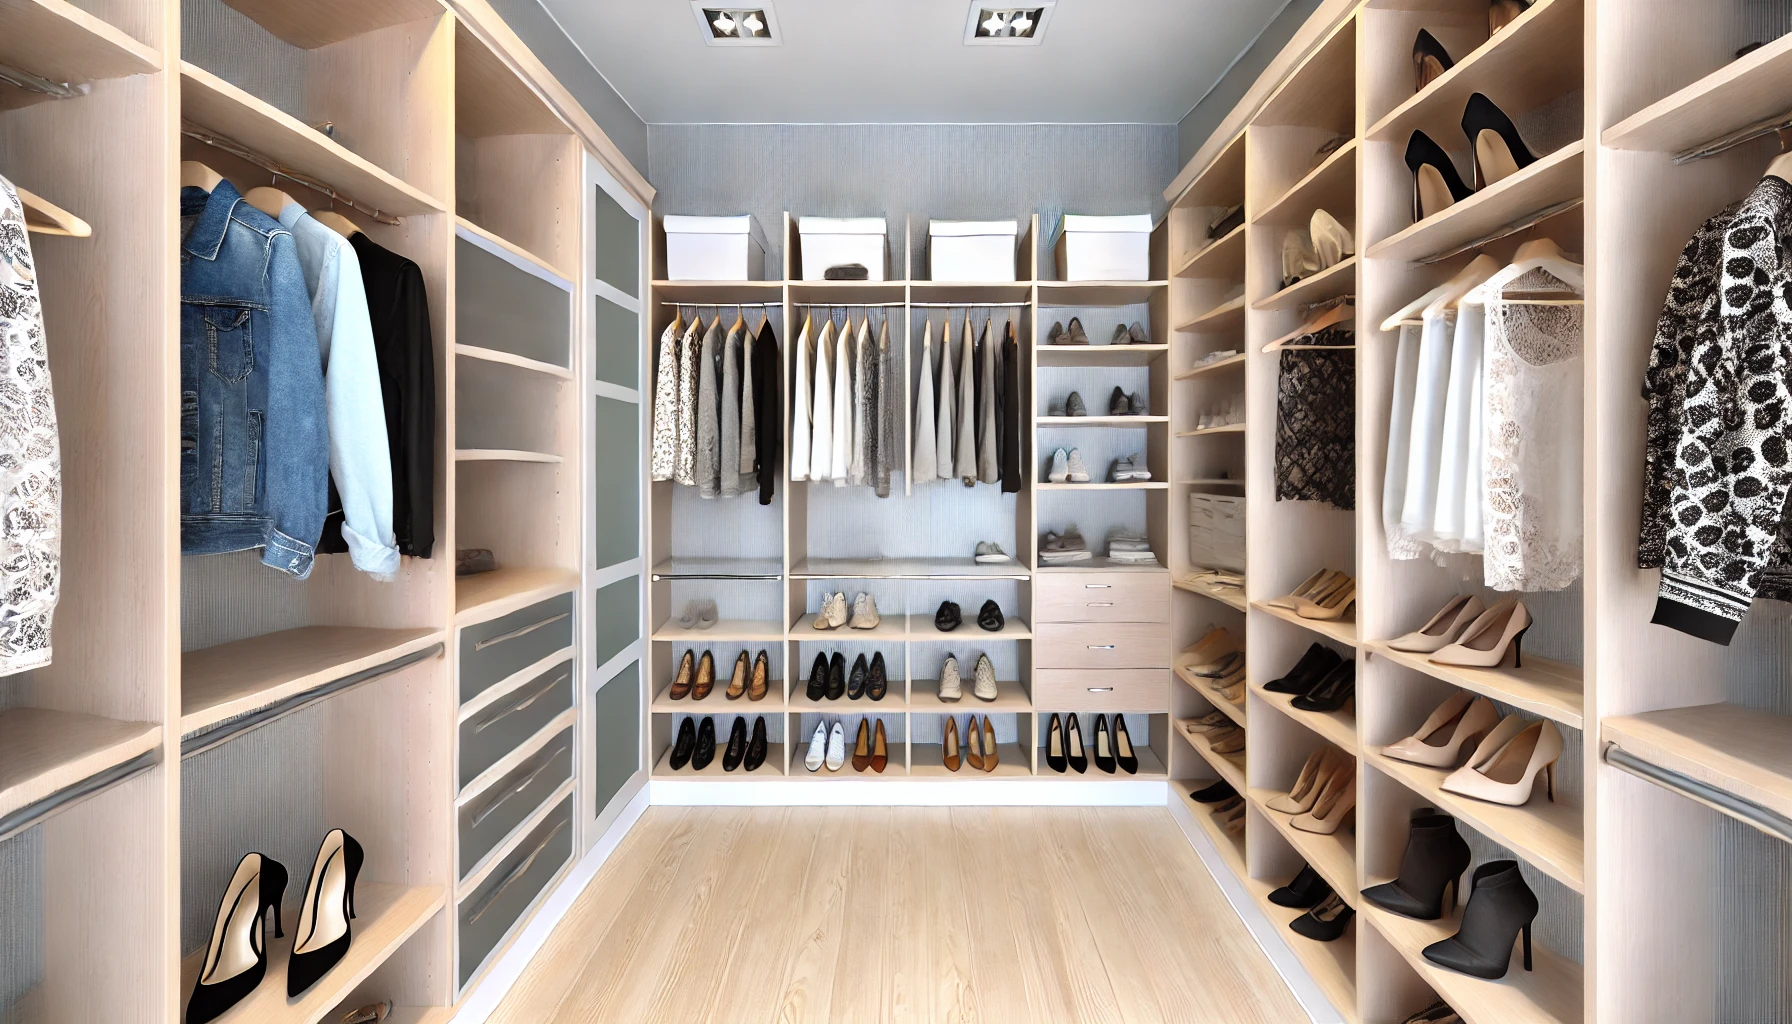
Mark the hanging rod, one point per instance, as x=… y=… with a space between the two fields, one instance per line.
x=241 y=152
x=1510 y=229
x=66 y=797
x=969 y=305
x=1771 y=822
x=202 y=740
x=32 y=83
x=724 y=305
x=848 y=305
x=1739 y=137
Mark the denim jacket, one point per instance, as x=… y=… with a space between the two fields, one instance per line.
x=254 y=444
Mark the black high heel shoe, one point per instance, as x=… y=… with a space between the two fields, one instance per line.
x=1436 y=856
x=1124 y=754
x=737 y=746
x=1055 y=758
x=1435 y=184
x=757 y=746
x=836 y=676
x=1104 y=745
x=1499 y=152
x=877 y=682
x=255 y=888
x=1500 y=908
x=686 y=743
x=855 y=681
x=1303 y=891
x=1429 y=60
x=1326 y=921
x=1308 y=672
x=1332 y=693
x=1073 y=746
x=818 y=678
x=706 y=744
x=323 y=933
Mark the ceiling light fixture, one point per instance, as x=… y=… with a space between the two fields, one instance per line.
x=1007 y=26
x=737 y=26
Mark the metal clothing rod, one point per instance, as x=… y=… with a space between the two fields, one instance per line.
x=970 y=305
x=241 y=152
x=202 y=740
x=724 y=305
x=1511 y=229
x=66 y=797
x=1771 y=822
x=1741 y=136
x=33 y=83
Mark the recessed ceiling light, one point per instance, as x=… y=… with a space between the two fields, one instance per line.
x=737 y=26
x=1007 y=26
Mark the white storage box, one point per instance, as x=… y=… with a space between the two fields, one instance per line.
x=1216 y=531
x=1103 y=248
x=837 y=241
x=971 y=250
x=714 y=249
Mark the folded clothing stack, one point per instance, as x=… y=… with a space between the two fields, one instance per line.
x=1132 y=548
x=1060 y=549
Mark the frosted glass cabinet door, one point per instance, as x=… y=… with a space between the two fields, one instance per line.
x=617 y=712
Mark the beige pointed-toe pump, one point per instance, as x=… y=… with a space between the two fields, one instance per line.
x=1507 y=774
x=1440 y=741
x=1334 y=604
x=1308 y=785
x=1313 y=585
x=1487 y=640
x=1337 y=801
x=1444 y=628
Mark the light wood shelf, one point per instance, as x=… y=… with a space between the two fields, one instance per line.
x=1211 y=481
x=1099 y=355
x=489 y=594
x=1216 y=366
x=1087 y=422
x=970 y=291
x=1740 y=751
x=1333 y=856
x=1228 y=428
x=1337 y=727
x=385 y=916
x=1226 y=316
x=56 y=40
x=717 y=703
x=747 y=631
x=1098 y=485
x=926 y=762
x=1100 y=563
x=476 y=234
x=889 y=627
x=1332 y=965
x=893 y=767
x=1230 y=767
x=1222 y=258
x=709 y=292
x=892 y=704
x=1543 y=687
x=906 y=568
x=242 y=676
x=506 y=455
x=1231 y=847
x=1551 y=181
x=1546 y=834
x=1330 y=186
x=1228 y=596
x=332 y=21
x=1321 y=90
x=1151 y=769
x=1066 y=294
x=1748 y=90
x=492 y=355
x=1335 y=280
x=1221 y=182
x=1341 y=631
x=1548 y=994
x=773 y=768
x=43 y=752
x=236 y=116
x=1236 y=712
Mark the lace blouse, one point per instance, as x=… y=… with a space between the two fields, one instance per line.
x=1316 y=420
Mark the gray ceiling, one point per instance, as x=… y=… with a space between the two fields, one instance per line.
x=904 y=61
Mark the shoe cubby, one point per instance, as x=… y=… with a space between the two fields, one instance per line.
x=663 y=734
x=1273 y=862
x=1014 y=738
x=848 y=714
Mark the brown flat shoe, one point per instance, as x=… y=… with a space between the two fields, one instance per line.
x=951 y=758
x=681 y=686
x=880 y=749
x=989 y=745
x=706 y=676
x=738 y=684
x=861 y=747
x=973 y=744
x=761 y=669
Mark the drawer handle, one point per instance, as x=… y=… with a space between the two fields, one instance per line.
x=1098 y=586
x=1099 y=604
x=1101 y=647
x=513 y=634
x=512 y=875
x=1101 y=689
x=495 y=802
x=520 y=703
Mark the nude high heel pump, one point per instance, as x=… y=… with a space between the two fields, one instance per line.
x=1313 y=776
x=1334 y=604
x=1314 y=584
x=1507 y=773
x=1439 y=742
x=1338 y=799
x=1443 y=628
x=1485 y=642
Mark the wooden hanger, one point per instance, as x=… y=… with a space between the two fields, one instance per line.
x=336 y=222
x=197 y=175
x=268 y=200
x=1537 y=254
x=1318 y=321
x=740 y=320
x=43 y=217
x=1479 y=269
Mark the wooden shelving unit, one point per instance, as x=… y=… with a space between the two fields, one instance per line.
x=236 y=678
x=1333 y=856
x=1337 y=727
x=1548 y=994
x=47 y=752
x=1542 y=687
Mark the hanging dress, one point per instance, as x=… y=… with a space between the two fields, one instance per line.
x=665 y=403
x=889 y=407
x=1400 y=544
x=821 y=451
x=800 y=439
x=1458 y=468
x=684 y=464
x=1316 y=419
x=1431 y=385
x=31 y=469
x=749 y=428
x=923 y=468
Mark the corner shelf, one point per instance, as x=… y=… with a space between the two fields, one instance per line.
x=1333 y=856
x=44 y=752
x=1231 y=847
x=1549 y=994
x=1551 y=181
x=1341 y=631
x=1238 y=713
x=1332 y=965
x=245 y=675
x=1740 y=751
x=1335 y=727
x=1543 y=687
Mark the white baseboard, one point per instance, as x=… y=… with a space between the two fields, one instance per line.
x=785 y=792
x=1267 y=933
x=484 y=999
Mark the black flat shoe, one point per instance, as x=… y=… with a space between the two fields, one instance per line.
x=1499 y=152
x=1500 y=908
x=1435 y=184
x=1216 y=793
x=1104 y=745
x=1124 y=755
x=1073 y=746
x=1429 y=60
x=756 y=748
x=947 y=618
x=818 y=678
x=1312 y=667
x=990 y=617
x=836 y=676
x=855 y=681
x=1436 y=856
x=1332 y=693
x=877 y=683
x=1303 y=891
x=706 y=744
x=737 y=746
x=686 y=743
x=1055 y=758
x=1325 y=922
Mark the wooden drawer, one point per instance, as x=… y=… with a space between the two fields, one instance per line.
x=502 y=726
x=490 y=912
x=487 y=821
x=1102 y=597
x=494 y=650
x=1130 y=689
x=1101 y=645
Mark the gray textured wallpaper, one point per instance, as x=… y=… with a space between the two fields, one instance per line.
x=955 y=172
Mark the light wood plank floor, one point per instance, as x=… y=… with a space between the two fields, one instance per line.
x=959 y=915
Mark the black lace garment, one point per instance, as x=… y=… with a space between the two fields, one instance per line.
x=1316 y=419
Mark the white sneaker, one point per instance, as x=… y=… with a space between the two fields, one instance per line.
x=836 y=748
x=864 y=611
x=989 y=552
x=951 y=687
x=1059 y=470
x=817 y=749
x=985 y=688
x=1079 y=473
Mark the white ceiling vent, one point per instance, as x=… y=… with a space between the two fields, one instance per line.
x=1007 y=26
x=737 y=26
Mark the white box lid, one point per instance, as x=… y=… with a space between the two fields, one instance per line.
x=680 y=225
x=1130 y=224
x=966 y=228
x=841 y=225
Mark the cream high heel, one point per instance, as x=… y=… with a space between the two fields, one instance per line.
x=1314 y=584
x=1484 y=643
x=1210 y=650
x=1505 y=766
x=1331 y=605
x=1439 y=741
x=1334 y=803
x=1313 y=776
x=1444 y=627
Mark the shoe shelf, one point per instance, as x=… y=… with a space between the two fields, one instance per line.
x=1118 y=422
x=924 y=697
x=1550 y=689
x=906 y=569
x=1130 y=485
x=1231 y=847
x=492 y=355
x=1100 y=563
x=1321 y=90
x=1066 y=294
x=1226 y=316
x=1738 y=750
x=1546 y=834
x=889 y=627
x=1550 y=993
x=1335 y=280
x=1333 y=856
x=926 y=761
x=745 y=631
x=385 y=916
x=490 y=594
x=1331 y=187
x=1222 y=258
x=773 y=768
x=1217 y=366
x=1220 y=183
x=61 y=42
x=1236 y=712
x=45 y=752
x=1337 y=727
x=1531 y=61
x=1100 y=355
x=799 y=703
x=1332 y=965
x=1553 y=182
x=1341 y=631
x=1230 y=767
x=1751 y=89
x=246 y=675
x=1231 y=597
x=799 y=768
x=717 y=702
x=1151 y=767
x=768 y=569
x=1229 y=428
